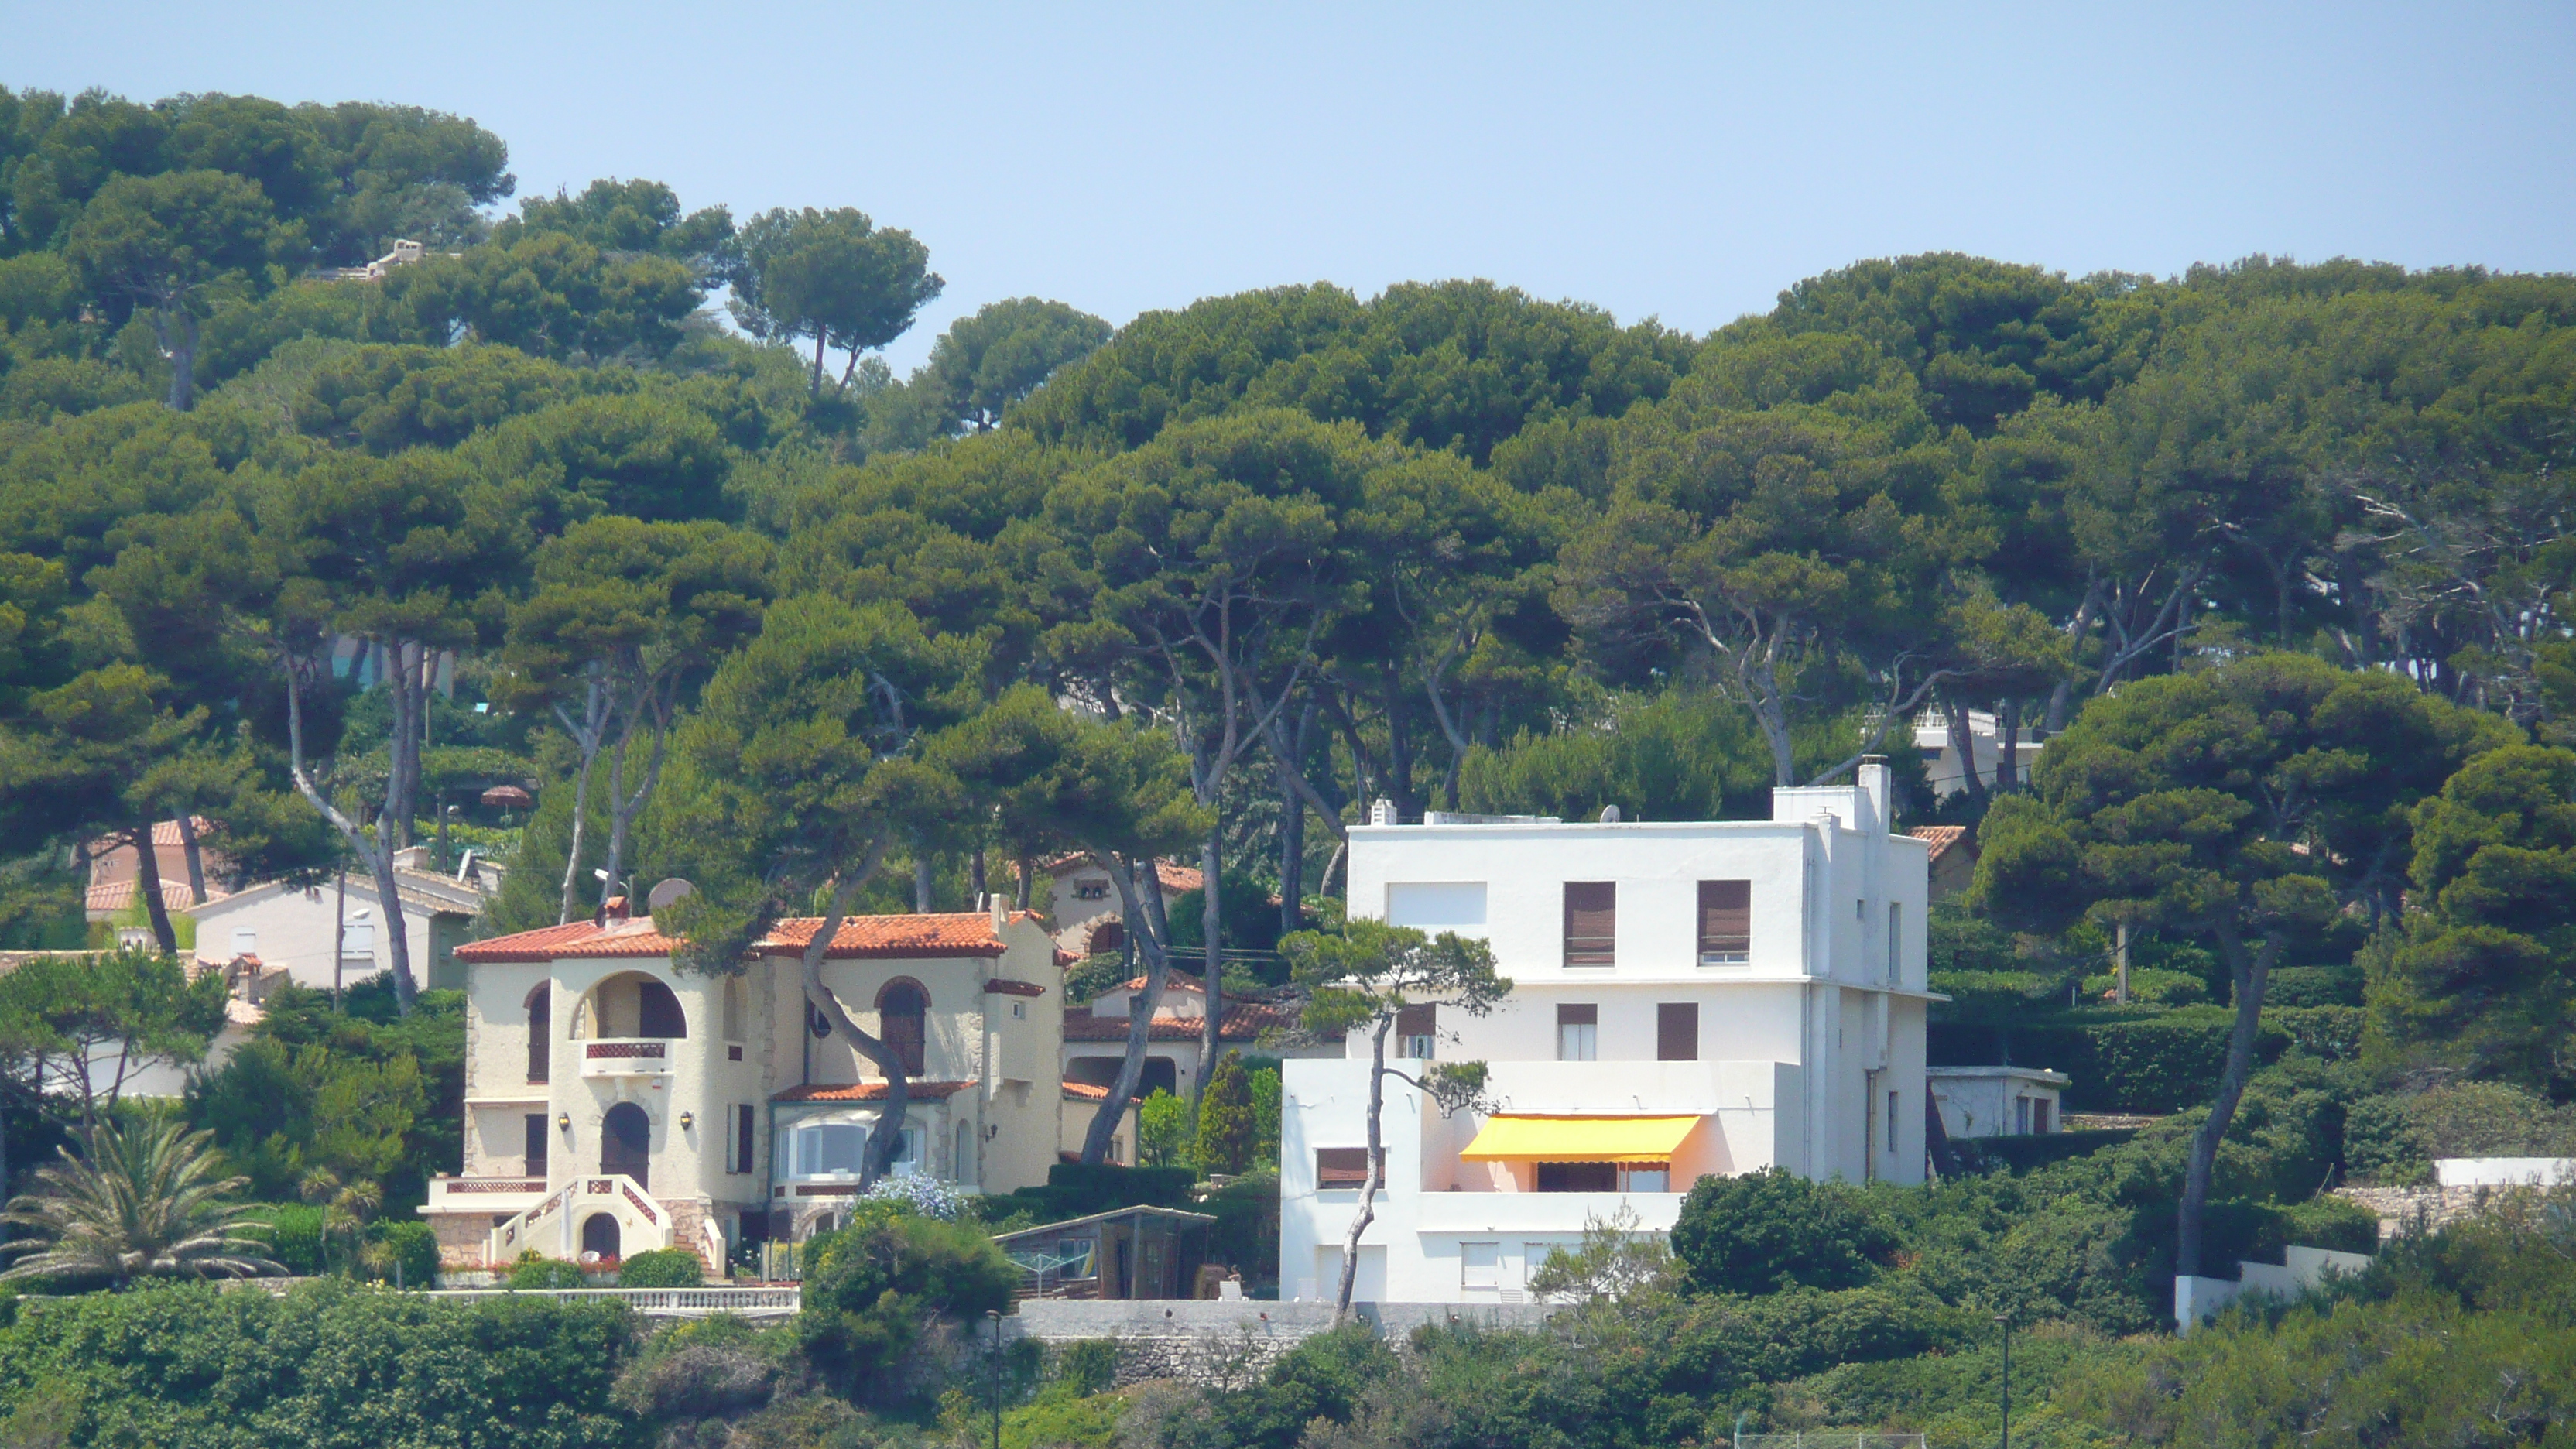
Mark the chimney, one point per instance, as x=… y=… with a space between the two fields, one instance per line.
x=1873 y=787
x=1382 y=812
x=1001 y=908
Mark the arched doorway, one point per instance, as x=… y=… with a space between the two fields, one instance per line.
x=626 y=1144
x=541 y=1018
x=903 y=1014
x=599 y=1235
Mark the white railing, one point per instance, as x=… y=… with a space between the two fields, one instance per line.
x=529 y=1229
x=662 y=1302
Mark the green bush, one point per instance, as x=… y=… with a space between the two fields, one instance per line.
x=2151 y=985
x=875 y=1290
x=1769 y=1230
x=2314 y=986
x=1088 y=1367
x=547 y=1273
x=661 y=1268
x=295 y=1237
x=2333 y=1222
x=413 y=1246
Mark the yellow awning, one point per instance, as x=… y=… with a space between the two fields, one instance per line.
x=1579 y=1139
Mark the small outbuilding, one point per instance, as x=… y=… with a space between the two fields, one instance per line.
x=1997 y=1101
x=1134 y=1252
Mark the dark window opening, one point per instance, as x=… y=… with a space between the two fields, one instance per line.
x=1677 y=1031
x=1578 y=1032
x=1578 y=1177
x=599 y=1235
x=538 y=1140
x=1417 y=1031
x=1725 y=922
x=1341 y=1166
x=657 y=1012
x=541 y=1030
x=904 y=1015
x=743 y=1127
x=1591 y=923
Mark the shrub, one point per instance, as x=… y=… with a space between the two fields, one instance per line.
x=295 y=1235
x=1163 y=1130
x=413 y=1248
x=661 y=1268
x=1227 y=1131
x=913 y=1193
x=1769 y=1230
x=876 y=1290
x=547 y=1273
x=2333 y=1222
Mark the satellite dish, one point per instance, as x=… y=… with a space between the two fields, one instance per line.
x=667 y=892
x=1609 y=814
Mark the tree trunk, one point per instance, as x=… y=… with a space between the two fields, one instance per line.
x=1212 y=919
x=1150 y=933
x=196 y=860
x=817 y=389
x=1399 y=752
x=921 y=882
x=580 y=820
x=887 y=1134
x=2251 y=972
x=1376 y=1171
x=147 y=887
x=1963 y=744
x=623 y=807
x=175 y=328
x=376 y=852
x=1292 y=849
x=981 y=887
x=1028 y=867
x=2007 y=746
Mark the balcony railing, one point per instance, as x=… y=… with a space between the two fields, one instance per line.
x=626 y=1057
x=753 y=1303
x=487 y=1194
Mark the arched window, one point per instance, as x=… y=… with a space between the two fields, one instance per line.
x=903 y=1014
x=541 y=1030
x=657 y=1011
x=626 y=1143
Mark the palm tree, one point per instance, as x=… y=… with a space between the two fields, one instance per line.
x=345 y=1207
x=133 y=1206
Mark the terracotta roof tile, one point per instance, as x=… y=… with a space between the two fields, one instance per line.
x=1175 y=878
x=952 y=933
x=871 y=1092
x=117 y=895
x=1000 y=987
x=617 y=940
x=1942 y=837
x=1085 y=1092
x=1243 y=1022
x=1171 y=982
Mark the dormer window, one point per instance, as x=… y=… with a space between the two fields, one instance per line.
x=1091 y=890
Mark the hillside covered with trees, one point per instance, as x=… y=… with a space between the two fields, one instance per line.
x=612 y=498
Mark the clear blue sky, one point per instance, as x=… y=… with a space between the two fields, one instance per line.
x=1687 y=161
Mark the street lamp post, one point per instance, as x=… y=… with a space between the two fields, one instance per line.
x=2005 y=1319
x=995 y=1314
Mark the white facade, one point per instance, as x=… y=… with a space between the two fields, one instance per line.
x=1998 y=1101
x=1757 y=986
x=291 y=927
x=698 y=1111
x=1944 y=767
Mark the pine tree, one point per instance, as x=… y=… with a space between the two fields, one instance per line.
x=1227 y=1129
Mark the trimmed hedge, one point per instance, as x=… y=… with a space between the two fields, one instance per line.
x=661 y=1268
x=2163 y=1061
x=2021 y=1154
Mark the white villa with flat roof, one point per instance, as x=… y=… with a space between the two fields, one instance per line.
x=1689 y=999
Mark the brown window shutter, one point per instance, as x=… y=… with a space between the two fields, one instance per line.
x=1415 y=1020
x=1725 y=921
x=1677 y=1031
x=1591 y=923
x=1578 y=1014
x=1341 y=1167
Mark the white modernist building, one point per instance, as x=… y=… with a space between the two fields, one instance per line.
x=1689 y=999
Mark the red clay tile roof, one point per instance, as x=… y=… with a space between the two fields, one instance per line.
x=952 y=933
x=1001 y=987
x=961 y=933
x=117 y=895
x=1171 y=982
x=1243 y=1022
x=1085 y=1092
x=1942 y=837
x=617 y=940
x=871 y=1092
x=1175 y=878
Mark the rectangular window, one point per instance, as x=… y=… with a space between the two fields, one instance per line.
x=1895 y=943
x=1645 y=1176
x=1725 y=922
x=1480 y=1267
x=1341 y=1166
x=1677 y=1031
x=536 y=1142
x=745 y=1133
x=1416 y=1031
x=829 y=1147
x=1578 y=1033
x=1591 y=923
x=2021 y=1115
x=1578 y=1177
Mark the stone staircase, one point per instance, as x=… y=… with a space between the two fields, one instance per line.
x=553 y=1227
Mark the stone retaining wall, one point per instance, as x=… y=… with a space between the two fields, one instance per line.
x=1230 y=1343
x=2403 y=1210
